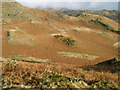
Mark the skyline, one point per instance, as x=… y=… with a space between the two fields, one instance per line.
x=71 y=4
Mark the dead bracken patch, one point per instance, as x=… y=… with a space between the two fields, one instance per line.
x=39 y=75
x=78 y=55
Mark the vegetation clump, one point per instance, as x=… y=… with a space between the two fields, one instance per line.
x=67 y=40
x=58 y=36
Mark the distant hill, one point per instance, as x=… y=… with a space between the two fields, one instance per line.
x=14 y=11
x=103 y=21
x=112 y=14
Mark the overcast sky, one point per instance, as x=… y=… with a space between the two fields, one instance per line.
x=72 y=4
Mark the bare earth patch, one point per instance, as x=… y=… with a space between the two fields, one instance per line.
x=78 y=55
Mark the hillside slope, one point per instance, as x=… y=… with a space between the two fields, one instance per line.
x=39 y=32
x=51 y=41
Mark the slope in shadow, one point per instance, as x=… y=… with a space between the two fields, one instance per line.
x=111 y=65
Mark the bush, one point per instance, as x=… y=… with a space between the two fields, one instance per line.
x=69 y=41
x=58 y=36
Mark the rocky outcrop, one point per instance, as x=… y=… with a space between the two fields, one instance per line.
x=117 y=45
x=17 y=36
x=78 y=55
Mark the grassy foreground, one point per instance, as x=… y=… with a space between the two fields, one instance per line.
x=22 y=74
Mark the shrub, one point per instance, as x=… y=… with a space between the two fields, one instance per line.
x=69 y=41
x=58 y=36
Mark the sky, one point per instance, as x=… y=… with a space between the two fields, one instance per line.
x=72 y=4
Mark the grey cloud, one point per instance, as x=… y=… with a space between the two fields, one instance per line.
x=73 y=5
